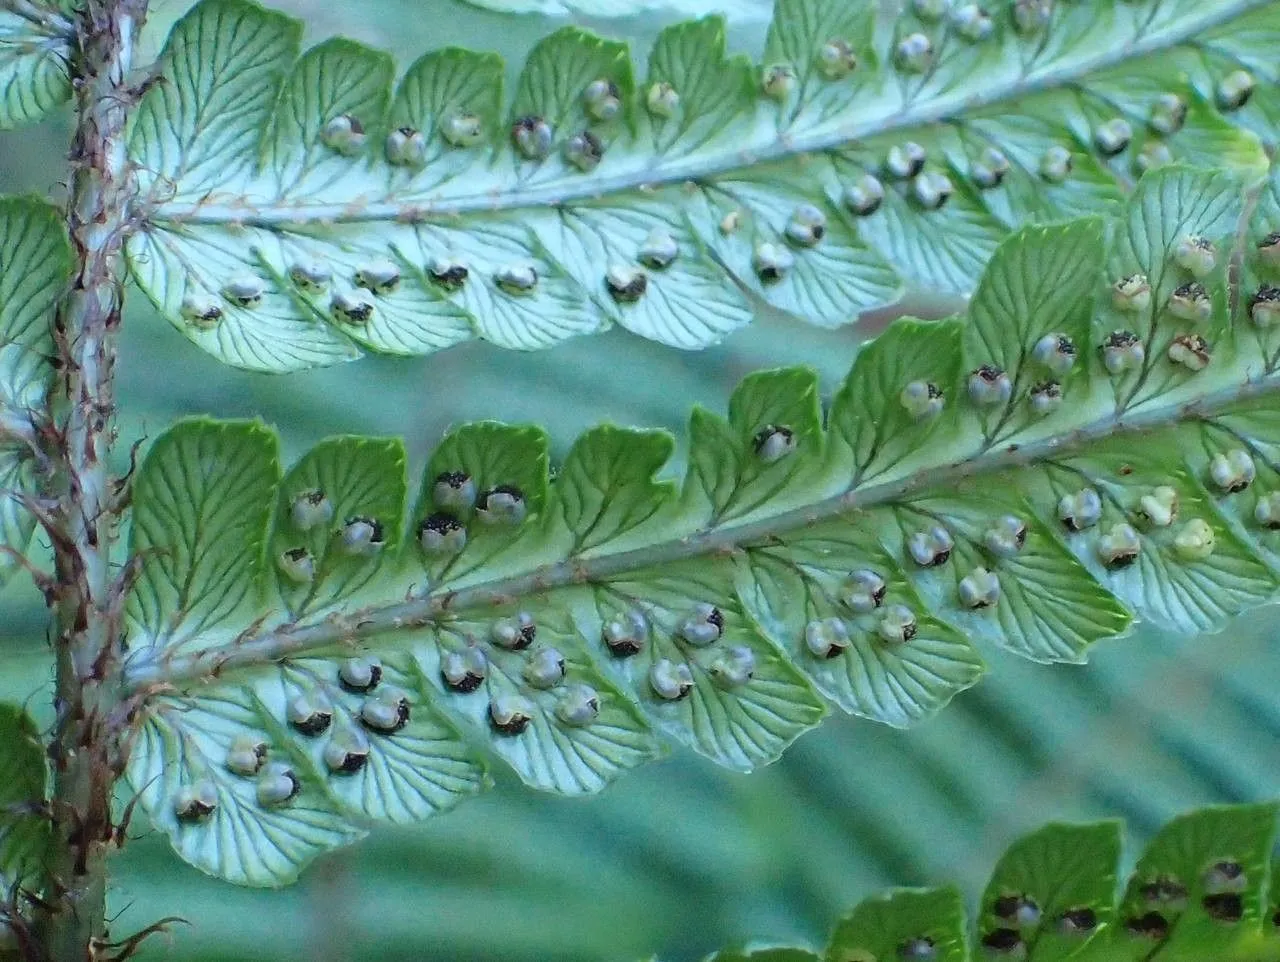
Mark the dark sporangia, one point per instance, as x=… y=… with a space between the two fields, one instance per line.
x=346 y=753
x=1080 y=510
x=989 y=386
x=1232 y=471
x=626 y=284
x=504 y=504
x=1191 y=351
x=1224 y=906
x=704 y=625
x=509 y=714
x=202 y=310
x=827 y=638
x=931 y=547
x=1191 y=302
x=450 y=275
x=1164 y=891
x=1235 y=89
x=1269 y=249
x=379 y=277
x=602 y=100
x=1264 y=308
x=463 y=671
x=864 y=196
x=277 y=784
x=544 y=669
x=670 y=681
x=584 y=151
x=897 y=624
x=1225 y=876
x=1006 y=536
x=362 y=535
x=1267 y=511
x=863 y=590
x=532 y=137
x=345 y=134
x=578 y=706
x=352 y=307
x=1122 y=351
x=1113 y=136
x=195 y=803
x=626 y=635
x=922 y=400
x=773 y=442
x=1080 y=921
x=386 y=712
x=772 y=262
x=406 y=147
x=1168 y=114
x=244 y=291
x=454 y=491
x=310 y=275
x=1152 y=925
x=297 y=565
x=1057 y=352
x=309 y=716
x=1002 y=940
x=311 y=509
x=359 y=675
x=1119 y=547
x=1045 y=397
x=905 y=160
x=247 y=755
x=442 y=533
x=515 y=633
x=806 y=226
x=1018 y=909
x=659 y=250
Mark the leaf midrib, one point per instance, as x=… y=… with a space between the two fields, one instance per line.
x=271 y=646
x=692 y=168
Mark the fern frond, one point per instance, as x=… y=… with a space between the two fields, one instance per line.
x=301 y=212
x=36 y=40
x=1201 y=889
x=36 y=259
x=1081 y=449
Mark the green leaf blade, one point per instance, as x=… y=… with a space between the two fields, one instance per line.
x=665 y=205
x=34 y=52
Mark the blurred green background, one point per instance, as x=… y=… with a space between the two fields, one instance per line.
x=679 y=857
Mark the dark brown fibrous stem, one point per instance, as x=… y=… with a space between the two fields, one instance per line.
x=86 y=747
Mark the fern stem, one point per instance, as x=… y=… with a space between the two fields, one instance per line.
x=144 y=670
x=85 y=750
x=881 y=117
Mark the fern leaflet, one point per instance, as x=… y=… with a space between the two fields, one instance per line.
x=1079 y=450
x=301 y=212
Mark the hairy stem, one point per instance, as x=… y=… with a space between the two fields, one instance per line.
x=85 y=750
x=146 y=669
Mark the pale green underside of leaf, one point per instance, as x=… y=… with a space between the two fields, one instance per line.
x=24 y=833
x=35 y=48
x=236 y=149
x=36 y=261
x=564 y=625
x=1199 y=891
